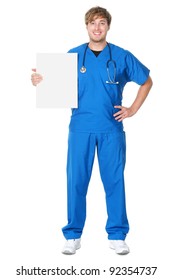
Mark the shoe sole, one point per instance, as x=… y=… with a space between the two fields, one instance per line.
x=67 y=252
x=123 y=252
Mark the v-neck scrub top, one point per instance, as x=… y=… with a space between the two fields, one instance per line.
x=96 y=98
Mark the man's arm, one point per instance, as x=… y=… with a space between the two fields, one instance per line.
x=125 y=112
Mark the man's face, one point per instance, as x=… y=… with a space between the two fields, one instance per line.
x=97 y=29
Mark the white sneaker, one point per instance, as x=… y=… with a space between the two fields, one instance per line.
x=71 y=246
x=119 y=246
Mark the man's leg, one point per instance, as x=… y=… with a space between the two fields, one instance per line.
x=111 y=156
x=81 y=151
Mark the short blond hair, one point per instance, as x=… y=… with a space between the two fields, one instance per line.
x=97 y=12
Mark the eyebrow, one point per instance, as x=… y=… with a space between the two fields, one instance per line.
x=102 y=19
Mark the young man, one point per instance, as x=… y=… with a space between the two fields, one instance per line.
x=103 y=71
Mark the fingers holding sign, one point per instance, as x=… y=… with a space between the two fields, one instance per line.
x=36 y=78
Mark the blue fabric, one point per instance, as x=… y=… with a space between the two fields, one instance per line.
x=96 y=98
x=93 y=127
x=111 y=157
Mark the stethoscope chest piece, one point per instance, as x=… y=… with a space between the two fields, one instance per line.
x=83 y=69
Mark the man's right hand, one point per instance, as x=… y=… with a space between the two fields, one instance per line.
x=36 y=78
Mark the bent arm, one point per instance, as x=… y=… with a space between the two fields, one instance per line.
x=142 y=94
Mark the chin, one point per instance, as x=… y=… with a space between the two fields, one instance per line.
x=97 y=40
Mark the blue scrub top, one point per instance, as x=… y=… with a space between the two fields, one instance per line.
x=96 y=98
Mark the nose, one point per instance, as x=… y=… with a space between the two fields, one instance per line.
x=96 y=26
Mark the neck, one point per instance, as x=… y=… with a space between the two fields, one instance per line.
x=97 y=46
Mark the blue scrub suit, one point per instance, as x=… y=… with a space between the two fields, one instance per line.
x=93 y=128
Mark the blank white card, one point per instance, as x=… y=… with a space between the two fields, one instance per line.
x=58 y=89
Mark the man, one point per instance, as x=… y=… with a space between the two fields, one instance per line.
x=103 y=71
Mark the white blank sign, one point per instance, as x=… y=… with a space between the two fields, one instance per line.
x=58 y=89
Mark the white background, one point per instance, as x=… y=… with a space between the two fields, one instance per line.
x=33 y=142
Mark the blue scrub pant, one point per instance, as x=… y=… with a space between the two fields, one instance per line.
x=111 y=150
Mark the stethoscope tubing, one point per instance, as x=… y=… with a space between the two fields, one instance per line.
x=111 y=81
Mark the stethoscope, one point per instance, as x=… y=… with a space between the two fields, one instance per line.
x=108 y=64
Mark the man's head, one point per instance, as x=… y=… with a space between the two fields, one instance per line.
x=98 y=22
x=97 y=12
